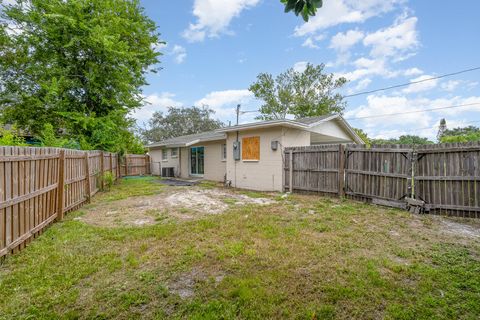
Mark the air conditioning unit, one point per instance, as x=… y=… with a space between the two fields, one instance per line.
x=168 y=172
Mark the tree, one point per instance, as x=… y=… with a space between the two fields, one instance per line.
x=441 y=129
x=306 y=8
x=11 y=137
x=405 y=139
x=467 y=134
x=76 y=59
x=179 y=122
x=363 y=135
x=299 y=93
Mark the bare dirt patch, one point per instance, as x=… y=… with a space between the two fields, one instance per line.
x=184 y=203
x=460 y=229
x=184 y=285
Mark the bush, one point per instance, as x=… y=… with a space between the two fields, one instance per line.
x=108 y=179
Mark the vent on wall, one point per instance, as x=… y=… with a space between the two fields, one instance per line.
x=168 y=172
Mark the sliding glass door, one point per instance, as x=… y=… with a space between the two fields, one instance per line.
x=197 y=155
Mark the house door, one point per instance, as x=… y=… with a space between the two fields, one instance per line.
x=197 y=155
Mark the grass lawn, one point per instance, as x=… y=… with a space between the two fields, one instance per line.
x=302 y=257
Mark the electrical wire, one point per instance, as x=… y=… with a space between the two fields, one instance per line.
x=416 y=111
x=412 y=82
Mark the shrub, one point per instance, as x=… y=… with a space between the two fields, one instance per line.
x=108 y=180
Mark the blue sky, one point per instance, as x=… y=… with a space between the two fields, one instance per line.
x=216 y=48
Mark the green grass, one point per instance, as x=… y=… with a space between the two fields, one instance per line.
x=305 y=257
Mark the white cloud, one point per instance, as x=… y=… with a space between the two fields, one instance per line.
x=310 y=42
x=180 y=53
x=422 y=86
x=450 y=85
x=362 y=84
x=412 y=72
x=377 y=105
x=225 y=102
x=421 y=123
x=300 y=66
x=343 y=41
x=345 y=11
x=214 y=17
x=155 y=102
x=395 y=40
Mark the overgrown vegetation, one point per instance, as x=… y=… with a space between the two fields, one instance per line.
x=10 y=137
x=467 y=134
x=78 y=66
x=305 y=257
x=180 y=121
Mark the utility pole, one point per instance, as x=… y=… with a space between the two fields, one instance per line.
x=238 y=113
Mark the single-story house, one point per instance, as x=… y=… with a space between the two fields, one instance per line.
x=247 y=155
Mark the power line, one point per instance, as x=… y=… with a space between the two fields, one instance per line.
x=412 y=82
x=433 y=127
x=416 y=111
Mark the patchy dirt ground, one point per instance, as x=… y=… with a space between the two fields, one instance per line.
x=182 y=203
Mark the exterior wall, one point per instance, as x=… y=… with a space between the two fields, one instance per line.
x=267 y=173
x=214 y=169
x=184 y=163
x=157 y=163
x=330 y=132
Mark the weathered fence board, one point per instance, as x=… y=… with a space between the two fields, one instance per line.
x=445 y=177
x=135 y=165
x=39 y=185
x=314 y=168
x=378 y=173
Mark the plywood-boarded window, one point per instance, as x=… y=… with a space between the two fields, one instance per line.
x=251 y=148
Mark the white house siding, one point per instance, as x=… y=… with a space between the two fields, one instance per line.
x=265 y=174
x=330 y=132
x=214 y=167
x=157 y=163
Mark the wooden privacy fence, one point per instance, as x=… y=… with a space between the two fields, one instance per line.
x=442 y=178
x=40 y=185
x=135 y=165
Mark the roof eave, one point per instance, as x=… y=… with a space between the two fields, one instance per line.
x=260 y=125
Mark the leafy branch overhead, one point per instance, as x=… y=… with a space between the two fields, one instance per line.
x=305 y=8
x=307 y=93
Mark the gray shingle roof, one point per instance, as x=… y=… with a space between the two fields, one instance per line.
x=311 y=120
x=189 y=139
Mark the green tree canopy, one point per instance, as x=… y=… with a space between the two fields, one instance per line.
x=304 y=93
x=179 y=122
x=78 y=65
x=405 y=139
x=305 y=8
x=467 y=134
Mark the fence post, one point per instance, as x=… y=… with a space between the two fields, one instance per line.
x=102 y=169
x=290 y=184
x=341 y=170
x=126 y=164
x=111 y=163
x=119 y=169
x=87 y=179
x=61 y=185
x=147 y=164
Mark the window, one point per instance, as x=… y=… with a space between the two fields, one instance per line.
x=174 y=152
x=251 y=148
x=224 y=152
x=164 y=154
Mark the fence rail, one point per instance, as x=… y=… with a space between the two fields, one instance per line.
x=40 y=185
x=443 y=178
